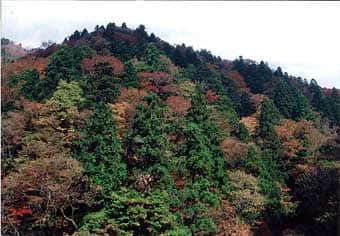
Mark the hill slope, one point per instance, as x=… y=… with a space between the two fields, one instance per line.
x=118 y=132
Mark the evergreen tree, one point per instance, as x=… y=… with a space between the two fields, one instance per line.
x=242 y=132
x=331 y=107
x=202 y=151
x=102 y=85
x=316 y=95
x=283 y=98
x=147 y=140
x=129 y=78
x=99 y=150
x=268 y=118
x=152 y=58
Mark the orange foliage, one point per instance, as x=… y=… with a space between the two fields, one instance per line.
x=227 y=222
x=123 y=113
x=131 y=95
x=292 y=135
x=286 y=133
x=238 y=80
x=178 y=105
x=123 y=109
x=234 y=151
x=252 y=122
x=27 y=62
x=88 y=65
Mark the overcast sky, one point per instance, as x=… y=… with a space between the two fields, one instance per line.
x=301 y=37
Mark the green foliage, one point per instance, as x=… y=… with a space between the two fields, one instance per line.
x=152 y=58
x=101 y=85
x=147 y=140
x=173 y=167
x=204 y=157
x=225 y=105
x=255 y=75
x=331 y=107
x=316 y=95
x=129 y=78
x=67 y=98
x=270 y=172
x=290 y=102
x=268 y=118
x=99 y=151
x=131 y=212
x=64 y=65
x=193 y=202
x=28 y=82
x=242 y=132
x=253 y=162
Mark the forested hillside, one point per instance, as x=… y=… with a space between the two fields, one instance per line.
x=117 y=132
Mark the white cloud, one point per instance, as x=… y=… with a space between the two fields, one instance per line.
x=301 y=37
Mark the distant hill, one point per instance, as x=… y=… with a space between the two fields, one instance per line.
x=11 y=51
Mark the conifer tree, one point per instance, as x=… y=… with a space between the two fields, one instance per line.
x=99 y=150
x=147 y=141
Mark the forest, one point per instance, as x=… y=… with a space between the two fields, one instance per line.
x=118 y=132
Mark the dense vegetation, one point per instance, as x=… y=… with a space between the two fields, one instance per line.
x=117 y=132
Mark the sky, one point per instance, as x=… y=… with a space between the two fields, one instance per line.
x=303 y=38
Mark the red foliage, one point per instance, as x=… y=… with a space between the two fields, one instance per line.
x=27 y=62
x=238 y=80
x=170 y=89
x=45 y=52
x=159 y=77
x=178 y=104
x=157 y=82
x=88 y=65
x=17 y=213
x=76 y=42
x=211 y=96
x=126 y=37
x=179 y=182
x=45 y=187
x=328 y=91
